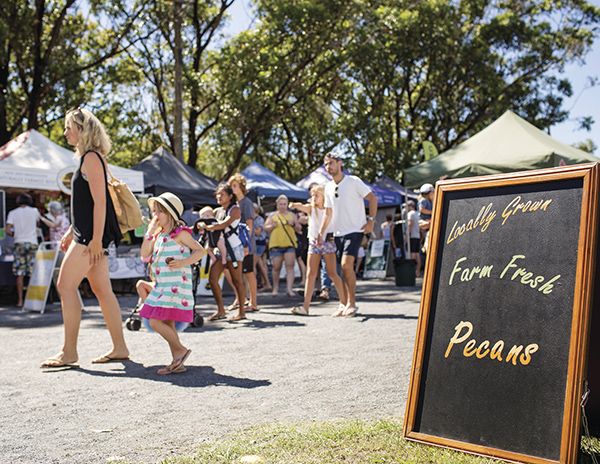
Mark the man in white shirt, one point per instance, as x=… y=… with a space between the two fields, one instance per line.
x=22 y=223
x=344 y=206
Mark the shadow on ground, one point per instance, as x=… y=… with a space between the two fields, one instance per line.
x=195 y=376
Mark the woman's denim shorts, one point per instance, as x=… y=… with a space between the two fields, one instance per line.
x=238 y=251
x=279 y=251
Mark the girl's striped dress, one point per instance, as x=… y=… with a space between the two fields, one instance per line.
x=172 y=298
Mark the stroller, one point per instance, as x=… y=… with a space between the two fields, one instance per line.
x=134 y=321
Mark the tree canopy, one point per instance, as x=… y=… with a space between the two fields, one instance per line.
x=372 y=79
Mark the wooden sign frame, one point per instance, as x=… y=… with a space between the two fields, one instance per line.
x=577 y=342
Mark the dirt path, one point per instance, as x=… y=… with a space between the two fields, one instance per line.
x=274 y=367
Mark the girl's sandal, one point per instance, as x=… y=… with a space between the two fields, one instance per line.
x=176 y=366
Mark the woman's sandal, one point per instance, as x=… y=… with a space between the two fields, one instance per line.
x=350 y=312
x=300 y=311
x=340 y=311
x=233 y=306
x=324 y=295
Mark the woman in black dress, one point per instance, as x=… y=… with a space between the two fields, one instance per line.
x=94 y=226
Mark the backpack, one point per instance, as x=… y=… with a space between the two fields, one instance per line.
x=244 y=234
x=242 y=231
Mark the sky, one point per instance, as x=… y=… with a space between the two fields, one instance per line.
x=584 y=102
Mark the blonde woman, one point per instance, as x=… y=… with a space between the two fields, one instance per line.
x=85 y=244
x=282 y=243
x=326 y=250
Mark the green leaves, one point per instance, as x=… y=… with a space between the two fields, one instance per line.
x=371 y=78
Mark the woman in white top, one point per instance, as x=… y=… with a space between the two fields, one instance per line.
x=387 y=228
x=316 y=213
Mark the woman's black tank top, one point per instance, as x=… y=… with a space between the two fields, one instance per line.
x=82 y=210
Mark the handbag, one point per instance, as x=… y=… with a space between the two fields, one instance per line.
x=127 y=208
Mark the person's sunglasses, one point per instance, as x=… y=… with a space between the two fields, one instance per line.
x=335 y=192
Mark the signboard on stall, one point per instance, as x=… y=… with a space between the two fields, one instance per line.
x=41 y=278
x=376 y=259
x=503 y=333
x=64 y=178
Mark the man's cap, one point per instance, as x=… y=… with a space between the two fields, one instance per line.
x=426 y=188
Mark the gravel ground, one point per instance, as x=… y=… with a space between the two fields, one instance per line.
x=275 y=367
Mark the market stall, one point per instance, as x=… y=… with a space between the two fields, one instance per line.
x=164 y=172
x=32 y=163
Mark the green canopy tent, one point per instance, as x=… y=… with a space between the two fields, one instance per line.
x=507 y=145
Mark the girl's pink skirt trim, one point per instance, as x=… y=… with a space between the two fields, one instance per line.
x=167 y=314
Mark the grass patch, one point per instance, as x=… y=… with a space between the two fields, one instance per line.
x=339 y=441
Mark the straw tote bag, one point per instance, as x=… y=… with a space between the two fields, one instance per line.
x=127 y=208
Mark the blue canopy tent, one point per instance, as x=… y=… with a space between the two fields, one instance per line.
x=390 y=184
x=262 y=183
x=384 y=196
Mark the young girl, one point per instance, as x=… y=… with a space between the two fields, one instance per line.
x=168 y=244
x=316 y=213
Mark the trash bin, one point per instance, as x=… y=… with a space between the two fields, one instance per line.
x=405 y=270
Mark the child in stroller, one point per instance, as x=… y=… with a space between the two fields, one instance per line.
x=143 y=288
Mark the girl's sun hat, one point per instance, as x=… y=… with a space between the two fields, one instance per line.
x=171 y=203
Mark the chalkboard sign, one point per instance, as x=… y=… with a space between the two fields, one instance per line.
x=502 y=339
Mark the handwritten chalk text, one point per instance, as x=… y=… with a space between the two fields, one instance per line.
x=517 y=206
x=486 y=215
x=484 y=349
x=511 y=271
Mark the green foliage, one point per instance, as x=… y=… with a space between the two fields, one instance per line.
x=372 y=79
x=588 y=145
x=278 y=82
x=54 y=57
x=442 y=71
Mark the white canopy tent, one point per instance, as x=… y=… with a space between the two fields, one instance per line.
x=33 y=161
